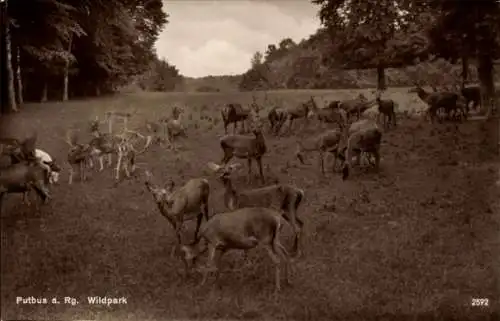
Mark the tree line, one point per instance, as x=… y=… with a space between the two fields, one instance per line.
x=358 y=35
x=58 y=49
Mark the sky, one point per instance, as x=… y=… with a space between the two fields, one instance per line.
x=219 y=37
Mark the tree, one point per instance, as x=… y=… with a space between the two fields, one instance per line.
x=63 y=48
x=11 y=96
x=364 y=32
x=256 y=59
x=474 y=27
x=161 y=76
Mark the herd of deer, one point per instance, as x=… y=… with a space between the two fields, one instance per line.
x=254 y=216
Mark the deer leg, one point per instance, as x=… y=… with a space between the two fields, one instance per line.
x=42 y=191
x=118 y=167
x=290 y=124
x=334 y=166
x=277 y=273
x=283 y=254
x=261 y=172
x=110 y=159
x=322 y=161
x=249 y=174
x=211 y=264
x=199 y=218
x=82 y=171
x=376 y=153
x=2 y=194
x=228 y=154
x=25 y=197
x=125 y=168
x=71 y=171
x=101 y=163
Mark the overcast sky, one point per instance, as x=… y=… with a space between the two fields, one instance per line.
x=219 y=37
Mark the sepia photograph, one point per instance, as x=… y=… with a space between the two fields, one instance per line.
x=249 y=160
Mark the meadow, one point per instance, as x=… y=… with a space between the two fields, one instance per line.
x=418 y=238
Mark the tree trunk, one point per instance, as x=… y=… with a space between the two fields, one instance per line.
x=66 y=70
x=465 y=70
x=19 y=81
x=485 y=74
x=10 y=73
x=381 y=78
x=44 y=97
x=488 y=103
x=3 y=61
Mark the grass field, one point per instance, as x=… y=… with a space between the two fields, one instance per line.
x=420 y=237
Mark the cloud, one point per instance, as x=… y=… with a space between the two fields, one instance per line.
x=219 y=37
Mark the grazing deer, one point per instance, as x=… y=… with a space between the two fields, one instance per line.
x=326 y=142
x=24 y=174
x=364 y=136
x=248 y=147
x=185 y=203
x=283 y=197
x=242 y=229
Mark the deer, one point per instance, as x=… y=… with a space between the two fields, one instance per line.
x=326 y=142
x=120 y=144
x=386 y=109
x=127 y=153
x=282 y=197
x=301 y=110
x=24 y=174
x=277 y=116
x=185 y=203
x=330 y=114
x=245 y=147
x=472 y=95
x=233 y=113
x=355 y=106
x=102 y=144
x=437 y=100
x=79 y=157
x=364 y=136
x=175 y=127
x=241 y=229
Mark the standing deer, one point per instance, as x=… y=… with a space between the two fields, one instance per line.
x=283 y=197
x=188 y=202
x=251 y=148
x=242 y=229
x=386 y=109
x=232 y=114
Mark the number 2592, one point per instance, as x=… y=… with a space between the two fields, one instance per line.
x=480 y=302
